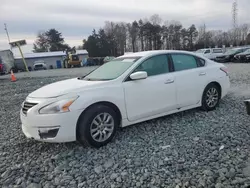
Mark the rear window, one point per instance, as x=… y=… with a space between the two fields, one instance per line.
x=40 y=65
x=217 y=51
x=75 y=57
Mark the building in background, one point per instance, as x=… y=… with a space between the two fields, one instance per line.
x=51 y=59
x=7 y=61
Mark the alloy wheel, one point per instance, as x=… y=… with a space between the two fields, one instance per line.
x=102 y=127
x=212 y=97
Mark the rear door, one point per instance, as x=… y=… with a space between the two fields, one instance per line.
x=190 y=78
x=217 y=52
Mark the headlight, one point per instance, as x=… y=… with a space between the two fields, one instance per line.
x=58 y=107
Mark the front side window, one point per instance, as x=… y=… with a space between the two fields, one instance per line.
x=111 y=70
x=155 y=65
x=183 y=62
x=207 y=51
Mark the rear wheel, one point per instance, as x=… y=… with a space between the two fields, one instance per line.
x=97 y=126
x=210 y=97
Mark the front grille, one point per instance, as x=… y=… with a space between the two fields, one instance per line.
x=243 y=58
x=27 y=106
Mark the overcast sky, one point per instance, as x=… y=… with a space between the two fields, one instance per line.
x=77 y=18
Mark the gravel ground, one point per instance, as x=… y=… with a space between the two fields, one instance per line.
x=191 y=149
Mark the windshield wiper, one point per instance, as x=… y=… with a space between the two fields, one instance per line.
x=92 y=79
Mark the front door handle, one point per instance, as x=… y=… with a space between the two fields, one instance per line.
x=202 y=74
x=169 y=81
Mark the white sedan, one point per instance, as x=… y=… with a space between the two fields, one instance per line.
x=129 y=89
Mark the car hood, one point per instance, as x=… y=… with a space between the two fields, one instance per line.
x=64 y=87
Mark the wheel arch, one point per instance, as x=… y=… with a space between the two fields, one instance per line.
x=106 y=103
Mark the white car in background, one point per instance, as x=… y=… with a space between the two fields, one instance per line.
x=127 y=90
x=39 y=65
x=210 y=53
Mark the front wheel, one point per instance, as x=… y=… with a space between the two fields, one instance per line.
x=97 y=126
x=210 y=97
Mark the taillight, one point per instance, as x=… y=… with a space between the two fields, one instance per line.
x=225 y=70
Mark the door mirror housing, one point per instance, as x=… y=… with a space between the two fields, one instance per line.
x=138 y=75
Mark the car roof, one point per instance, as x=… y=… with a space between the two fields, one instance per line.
x=155 y=52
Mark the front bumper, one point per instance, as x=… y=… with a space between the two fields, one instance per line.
x=60 y=127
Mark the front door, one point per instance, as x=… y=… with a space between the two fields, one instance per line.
x=155 y=94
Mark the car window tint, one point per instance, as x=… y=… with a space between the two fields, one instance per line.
x=183 y=62
x=201 y=62
x=154 y=65
x=207 y=51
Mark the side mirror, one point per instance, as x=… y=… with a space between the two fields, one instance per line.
x=139 y=75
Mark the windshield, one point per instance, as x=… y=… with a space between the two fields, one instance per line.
x=200 y=51
x=246 y=52
x=232 y=51
x=112 y=69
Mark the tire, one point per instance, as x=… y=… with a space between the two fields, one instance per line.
x=212 y=91
x=86 y=124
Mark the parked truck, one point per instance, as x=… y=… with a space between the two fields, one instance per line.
x=210 y=53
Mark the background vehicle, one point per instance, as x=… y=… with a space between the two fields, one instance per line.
x=2 y=68
x=72 y=59
x=242 y=57
x=210 y=53
x=228 y=56
x=7 y=61
x=108 y=58
x=93 y=61
x=127 y=90
x=39 y=65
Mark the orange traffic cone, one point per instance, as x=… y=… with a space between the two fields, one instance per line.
x=13 y=78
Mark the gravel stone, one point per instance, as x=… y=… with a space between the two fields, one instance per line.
x=98 y=169
x=108 y=163
x=190 y=149
x=219 y=185
x=113 y=176
x=34 y=185
x=246 y=171
x=208 y=173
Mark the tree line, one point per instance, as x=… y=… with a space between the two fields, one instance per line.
x=116 y=38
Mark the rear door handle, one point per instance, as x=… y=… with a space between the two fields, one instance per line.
x=169 y=81
x=202 y=74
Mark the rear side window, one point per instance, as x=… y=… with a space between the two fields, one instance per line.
x=155 y=65
x=217 y=50
x=201 y=62
x=183 y=62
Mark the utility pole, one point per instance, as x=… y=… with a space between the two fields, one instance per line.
x=235 y=20
x=7 y=33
